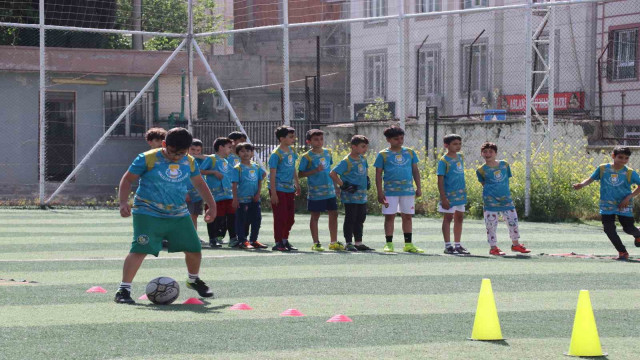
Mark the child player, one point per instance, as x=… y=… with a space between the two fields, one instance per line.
x=159 y=209
x=453 y=193
x=615 y=197
x=316 y=165
x=494 y=176
x=400 y=167
x=351 y=176
x=155 y=136
x=194 y=201
x=218 y=178
x=283 y=187
x=236 y=138
x=247 y=183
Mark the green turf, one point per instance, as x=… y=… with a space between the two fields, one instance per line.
x=403 y=305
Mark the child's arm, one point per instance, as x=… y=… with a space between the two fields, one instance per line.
x=256 y=197
x=234 y=189
x=443 y=196
x=584 y=183
x=381 y=198
x=217 y=174
x=272 y=186
x=123 y=192
x=303 y=174
x=416 y=178
x=296 y=183
x=336 y=179
x=625 y=202
x=205 y=193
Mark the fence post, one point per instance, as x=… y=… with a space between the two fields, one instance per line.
x=285 y=62
x=401 y=40
x=42 y=93
x=528 y=91
x=190 y=65
x=551 y=83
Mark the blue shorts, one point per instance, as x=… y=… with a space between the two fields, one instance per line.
x=322 y=205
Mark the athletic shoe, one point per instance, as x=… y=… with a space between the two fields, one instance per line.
x=336 y=246
x=202 y=288
x=363 y=247
x=623 y=256
x=279 y=247
x=462 y=251
x=234 y=242
x=258 y=245
x=220 y=240
x=165 y=244
x=214 y=244
x=520 y=248
x=497 y=252
x=317 y=247
x=388 y=247
x=290 y=247
x=123 y=296
x=410 y=248
x=637 y=242
x=203 y=243
x=246 y=246
x=449 y=250
x=350 y=247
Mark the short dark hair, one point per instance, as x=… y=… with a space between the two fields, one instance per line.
x=196 y=142
x=221 y=141
x=314 y=132
x=624 y=150
x=179 y=138
x=393 y=131
x=448 y=139
x=237 y=135
x=246 y=146
x=489 y=145
x=283 y=131
x=359 y=139
x=155 y=133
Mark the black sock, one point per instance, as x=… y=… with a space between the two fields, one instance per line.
x=389 y=238
x=407 y=238
x=348 y=240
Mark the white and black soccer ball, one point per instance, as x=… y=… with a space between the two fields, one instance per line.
x=163 y=290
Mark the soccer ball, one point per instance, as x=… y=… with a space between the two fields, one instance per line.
x=163 y=290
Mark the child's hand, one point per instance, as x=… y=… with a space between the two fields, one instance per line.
x=320 y=168
x=445 y=203
x=218 y=175
x=188 y=198
x=210 y=214
x=297 y=187
x=256 y=197
x=383 y=200
x=624 y=203
x=125 y=210
x=578 y=186
x=274 y=199
x=234 y=203
x=418 y=192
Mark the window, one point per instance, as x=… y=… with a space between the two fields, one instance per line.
x=429 y=82
x=479 y=68
x=326 y=112
x=470 y=4
x=139 y=118
x=425 y=6
x=376 y=8
x=375 y=78
x=623 y=54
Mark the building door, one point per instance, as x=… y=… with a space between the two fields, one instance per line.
x=60 y=134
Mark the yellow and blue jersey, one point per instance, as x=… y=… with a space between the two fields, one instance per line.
x=233 y=159
x=285 y=164
x=397 y=170
x=220 y=189
x=194 y=195
x=248 y=179
x=455 y=188
x=355 y=172
x=615 y=185
x=320 y=184
x=163 y=184
x=496 y=194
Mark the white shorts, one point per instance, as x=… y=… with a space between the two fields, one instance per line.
x=402 y=204
x=452 y=209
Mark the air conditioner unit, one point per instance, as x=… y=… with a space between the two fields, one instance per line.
x=478 y=97
x=434 y=100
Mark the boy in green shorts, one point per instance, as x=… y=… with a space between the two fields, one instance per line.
x=159 y=209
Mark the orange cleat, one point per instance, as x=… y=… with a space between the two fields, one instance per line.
x=246 y=245
x=520 y=248
x=497 y=252
x=623 y=256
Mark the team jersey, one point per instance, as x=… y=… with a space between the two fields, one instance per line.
x=233 y=159
x=248 y=178
x=320 y=184
x=397 y=170
x=354 y=172
x=220 y=189
x=194 y=195
x=615 y=185
x=452 y=169
x=162 y=189
x=285 y=165
x=496 y=194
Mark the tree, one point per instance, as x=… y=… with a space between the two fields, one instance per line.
x=379 y=110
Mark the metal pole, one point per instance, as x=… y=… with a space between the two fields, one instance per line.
x=136 y=14
x=117 y=121
x=42 y=92
x=528 y=92
x=418 y=82
x=317 y=81
x=190 y=66
x=551 y=83
x=427 y=115
x=285 y=62
x=470 y=65
x=229 y=97
x=435 y=132
x=401 y=59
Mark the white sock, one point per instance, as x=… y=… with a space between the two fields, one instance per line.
x=192 y=278
x=447 y=245
x=458 y=244
x=126 y=286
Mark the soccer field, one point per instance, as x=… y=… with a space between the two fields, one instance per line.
x=402 y=305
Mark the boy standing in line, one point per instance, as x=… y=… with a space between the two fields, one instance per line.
x=194 y=200
x=155 y=136
x=236 y=138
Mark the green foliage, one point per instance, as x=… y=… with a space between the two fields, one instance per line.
x=379 y=110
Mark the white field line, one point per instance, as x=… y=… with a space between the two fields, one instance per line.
x=148 y=258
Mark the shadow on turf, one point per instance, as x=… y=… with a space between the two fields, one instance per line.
x=495 y=342
x=203 y=309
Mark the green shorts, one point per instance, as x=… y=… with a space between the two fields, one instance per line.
x=149 y=231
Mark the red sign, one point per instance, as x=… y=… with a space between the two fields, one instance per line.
x=565 y=101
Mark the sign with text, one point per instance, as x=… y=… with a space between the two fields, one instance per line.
x=563 y=102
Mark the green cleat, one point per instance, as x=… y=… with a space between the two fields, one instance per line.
x=388 y=247
x=317 y=247
x=350 y=247
x=336 y=246
x=410 y=248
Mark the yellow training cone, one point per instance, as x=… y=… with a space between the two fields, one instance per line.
x=584 y=338
x=486 y=326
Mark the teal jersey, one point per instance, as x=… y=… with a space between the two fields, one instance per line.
x=355 y=172
x=285 y=165
x=496 y=194
x=397 y=168
x=194 y=195
x=615 y=185
x=320 y=184
x=163 y=184
x=220 y=189
x=233 y=160
x=247 y=178
x=452 y=169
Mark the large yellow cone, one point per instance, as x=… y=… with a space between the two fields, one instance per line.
x=584 y=338
x=486 y=326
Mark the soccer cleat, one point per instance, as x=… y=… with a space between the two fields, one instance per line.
x=623 y=256
x=388 y=247
x=637 y=242
x=203 y=243
x=350 y=247
x=234 y=242
x=363 y=247
x=202 y=288
x=214 y=244
x=220 y=240
x=246 y=246
x=279 y=247
x=449 y=250
x=520 y=248
x=497 y=252
x=462 y=251
x=165 y=244
x=123 y=296
x=290 y=247
x=317 y=247
x=258 y=245
x=410 y=248
x=336 y=246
